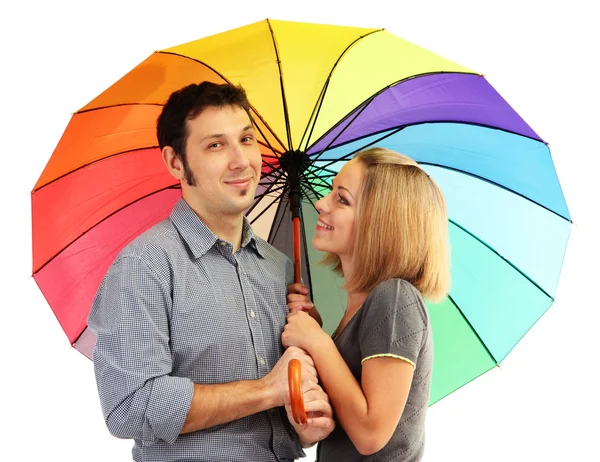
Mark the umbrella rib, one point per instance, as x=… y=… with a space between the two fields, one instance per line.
x=267 y=191
x=265 y=209
x=498 y=185
x=306 y=196
x=99 y=108
x=272 y=233
x=253 y=109
x=323 y=183
x=433 y=121
x=114 y=155
x=270 y=130
x=472 y=329
x=79 y=336
x=91 y=163
x=350 y=154
x=319 y=103
x=229 y=82
x=512 y=265
x=283 y=99
x=308 y=185
x=278 y=169
x=273 y=177
x=373 y=96
x=314 y=175
x=177 y=186
x=358 y=113
x=272 y=166
x=268 y=144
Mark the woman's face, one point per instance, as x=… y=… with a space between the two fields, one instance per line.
x=337 y=212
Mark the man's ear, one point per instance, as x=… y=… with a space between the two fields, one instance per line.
x=173 y=163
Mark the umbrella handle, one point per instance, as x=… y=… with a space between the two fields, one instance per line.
x=295 y=387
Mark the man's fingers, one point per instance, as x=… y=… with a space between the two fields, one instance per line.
x=298 y=353
x=315 y=395
x=320 y=422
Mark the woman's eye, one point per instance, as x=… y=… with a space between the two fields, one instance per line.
x=341 y=200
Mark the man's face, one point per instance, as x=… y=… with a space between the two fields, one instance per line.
x=224 y=160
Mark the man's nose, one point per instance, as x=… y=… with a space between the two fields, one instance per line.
x=239 y=157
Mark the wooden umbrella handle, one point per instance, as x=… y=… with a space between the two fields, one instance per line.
x=295 y=386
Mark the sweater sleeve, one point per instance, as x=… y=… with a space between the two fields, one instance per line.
x=394 y=323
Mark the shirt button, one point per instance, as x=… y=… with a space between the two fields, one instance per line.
x=261 y=361
x=252 y=313
x=222 y=242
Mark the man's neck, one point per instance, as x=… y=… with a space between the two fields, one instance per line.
x=225 y=227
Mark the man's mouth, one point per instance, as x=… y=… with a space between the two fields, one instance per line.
x=240 y=182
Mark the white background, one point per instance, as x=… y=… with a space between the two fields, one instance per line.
x=541 y=404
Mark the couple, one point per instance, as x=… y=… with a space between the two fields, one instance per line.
x=191 y=317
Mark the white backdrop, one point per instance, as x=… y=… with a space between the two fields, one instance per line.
x=541 y=404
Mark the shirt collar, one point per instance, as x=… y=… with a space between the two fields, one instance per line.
x=199 y=238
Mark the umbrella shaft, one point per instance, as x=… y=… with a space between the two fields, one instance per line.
x=296 y=221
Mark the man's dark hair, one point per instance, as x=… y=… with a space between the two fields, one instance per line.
x=187 y=103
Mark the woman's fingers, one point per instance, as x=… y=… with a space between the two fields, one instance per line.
x=299 y=306
x=297 y=288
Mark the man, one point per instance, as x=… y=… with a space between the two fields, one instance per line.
x=188 y=319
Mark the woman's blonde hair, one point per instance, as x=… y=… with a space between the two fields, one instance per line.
x=401 y=228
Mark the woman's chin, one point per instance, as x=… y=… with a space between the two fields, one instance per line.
x=318 y=244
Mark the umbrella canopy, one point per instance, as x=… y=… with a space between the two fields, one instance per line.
x=319 y=94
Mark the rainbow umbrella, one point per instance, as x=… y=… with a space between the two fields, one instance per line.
x=319 y=94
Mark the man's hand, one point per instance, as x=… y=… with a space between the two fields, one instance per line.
x=320 y=421
x=276 y=381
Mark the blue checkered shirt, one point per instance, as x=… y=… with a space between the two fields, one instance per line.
x=177 y=308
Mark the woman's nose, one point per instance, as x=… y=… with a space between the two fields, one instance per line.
x=321 y=204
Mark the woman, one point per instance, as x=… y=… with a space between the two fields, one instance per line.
x=384 y=228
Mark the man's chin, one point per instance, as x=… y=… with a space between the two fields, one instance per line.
x=243 y=203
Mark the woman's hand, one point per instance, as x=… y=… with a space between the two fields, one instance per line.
x=298 y=298
x=302 y=331
x=298 y=301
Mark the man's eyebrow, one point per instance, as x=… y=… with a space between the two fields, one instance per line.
x=219 y=135
x=215 y=135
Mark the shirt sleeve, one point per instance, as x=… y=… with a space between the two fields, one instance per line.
x=394 y=324
x=132 y=357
